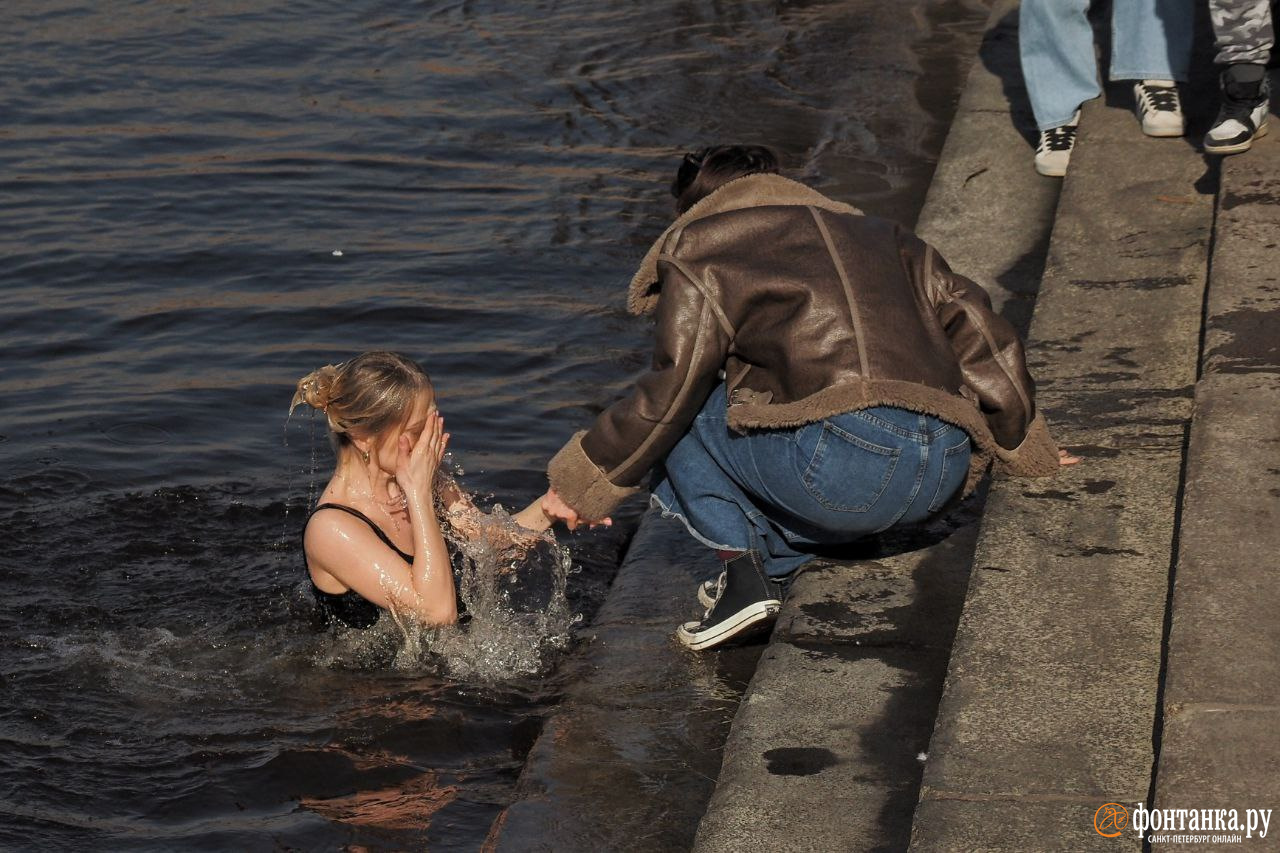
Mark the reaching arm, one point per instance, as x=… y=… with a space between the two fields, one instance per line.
x=597 y=469
x=533 y=518
x=465 y=516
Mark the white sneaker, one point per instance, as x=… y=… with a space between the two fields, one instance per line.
x=1232 y=135
x=1053 y=154
x=1159 y=107
x=1242 y=117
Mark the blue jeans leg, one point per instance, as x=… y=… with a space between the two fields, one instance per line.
x=1151 y=39
x=699 y=485
x=784 y=491
x=1059 y=66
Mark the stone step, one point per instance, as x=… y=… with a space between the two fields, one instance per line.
x=1050 y=700
x=1221 y=702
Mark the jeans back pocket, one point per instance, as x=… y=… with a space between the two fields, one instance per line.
x=848 y=473
x=955 y=469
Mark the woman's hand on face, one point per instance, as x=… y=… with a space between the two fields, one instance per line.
x=417 y=462
x=554 y=507
x=1066 y=458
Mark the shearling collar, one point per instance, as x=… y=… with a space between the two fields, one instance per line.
x=748 y=191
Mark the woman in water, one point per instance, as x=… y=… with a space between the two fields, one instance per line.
x=375 y=540
x=818 y=376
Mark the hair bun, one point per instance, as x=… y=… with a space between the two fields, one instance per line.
x=315 y=389
x=365 y=395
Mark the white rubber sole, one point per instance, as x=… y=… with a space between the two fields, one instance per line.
x=743 y=623
x=1239 y=146
x=1051 y=171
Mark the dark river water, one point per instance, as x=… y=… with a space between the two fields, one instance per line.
x=201 y=202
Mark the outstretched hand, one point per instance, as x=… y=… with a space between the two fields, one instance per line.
x=554 y=507
x=417 y=462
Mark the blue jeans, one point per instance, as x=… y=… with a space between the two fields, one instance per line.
x=1150 y=40
x=781 y=491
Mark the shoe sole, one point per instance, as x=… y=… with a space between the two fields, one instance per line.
x=1165 y=132
x=1239 y=147
x=744 y=623
x=1051 y=173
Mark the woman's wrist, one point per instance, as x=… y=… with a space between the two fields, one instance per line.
x=421 y=501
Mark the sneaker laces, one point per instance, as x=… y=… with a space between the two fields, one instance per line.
x=1240 y=109
x=721 y=582
x=1164 y=98
x=1059 y=138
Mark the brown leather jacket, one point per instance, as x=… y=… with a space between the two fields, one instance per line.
x=806 y=308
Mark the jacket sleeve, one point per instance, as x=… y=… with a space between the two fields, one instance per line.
x=598 y=468
x=994 y=366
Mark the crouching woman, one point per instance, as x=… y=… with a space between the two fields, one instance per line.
x=818 y=376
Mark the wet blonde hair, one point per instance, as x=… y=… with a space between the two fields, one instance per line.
x=366 y=395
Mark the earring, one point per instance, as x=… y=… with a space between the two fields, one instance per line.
x=365 y=453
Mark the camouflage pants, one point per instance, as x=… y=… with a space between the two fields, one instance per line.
x=1242 y=30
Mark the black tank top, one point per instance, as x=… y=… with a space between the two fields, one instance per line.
x=350 y=607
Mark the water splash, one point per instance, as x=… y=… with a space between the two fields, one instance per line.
x=515 y=595
x=512 y=583
x=308 y=473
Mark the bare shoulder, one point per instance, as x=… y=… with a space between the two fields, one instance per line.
x=337 y=543
x=329 y=526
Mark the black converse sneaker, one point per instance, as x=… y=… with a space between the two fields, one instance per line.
x=709 y=590
x=1242 y=117
x=745 y=602
x=1053 y=154
x=1159 y=108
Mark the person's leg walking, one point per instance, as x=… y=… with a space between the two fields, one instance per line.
x=1151 y=39
x=1151 y=44
x=1059 y=65
x=1060 y=69
x=1242 y=31
x=1244 y=35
